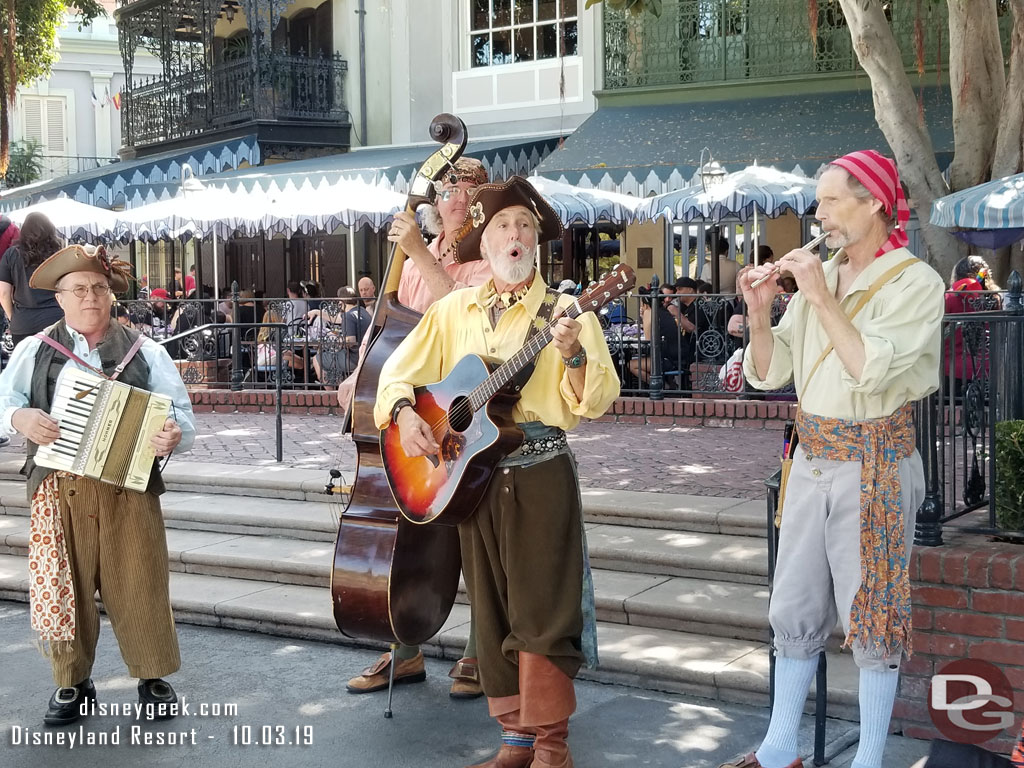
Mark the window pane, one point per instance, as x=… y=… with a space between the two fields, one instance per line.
x=481 y=12
x=502 y=16
x=501 y=53
x=547 y=10
x=481 y=55
x=568 y=8
x=570 y=38
x=524 y=44
x=524 y=12
x=547 y=41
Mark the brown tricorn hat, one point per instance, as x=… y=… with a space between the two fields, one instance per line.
x=491 y=198
x=81 y=258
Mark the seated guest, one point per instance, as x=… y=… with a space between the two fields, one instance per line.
x=668 y=340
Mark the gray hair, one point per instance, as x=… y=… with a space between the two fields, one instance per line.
x=536 y=228
x=861 y=192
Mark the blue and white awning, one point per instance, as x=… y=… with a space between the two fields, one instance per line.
x=771 y=192
x=990 y=215
x=72 y=220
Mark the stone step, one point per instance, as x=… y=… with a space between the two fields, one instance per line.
x=290 y=560
x=649 y=658
x=720 y=608
x=212 y=486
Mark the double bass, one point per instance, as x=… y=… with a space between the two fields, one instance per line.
x=392 y=580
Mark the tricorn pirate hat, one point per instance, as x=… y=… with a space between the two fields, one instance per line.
x=81 y=258
x=491 y=198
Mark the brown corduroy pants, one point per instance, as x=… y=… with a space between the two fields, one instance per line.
x=522 y=557
x=117 y=545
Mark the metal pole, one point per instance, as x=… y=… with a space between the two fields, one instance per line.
x=277 y=405
x=236 y=342
x=657 y=379
x=928 y=528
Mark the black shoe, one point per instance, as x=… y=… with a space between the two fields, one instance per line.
x=157 y=698
x=66 y=703
x=4 y=440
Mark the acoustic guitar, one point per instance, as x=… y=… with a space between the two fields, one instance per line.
x=470 y=412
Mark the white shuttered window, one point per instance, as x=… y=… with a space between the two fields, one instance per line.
x=44 y=121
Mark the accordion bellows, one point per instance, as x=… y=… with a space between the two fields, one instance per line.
x=105 y=430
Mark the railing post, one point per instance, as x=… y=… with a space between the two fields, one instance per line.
x=928 y=531
x=236 y=342
x=657 y=381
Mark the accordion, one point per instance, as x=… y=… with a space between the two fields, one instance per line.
x=105 y=429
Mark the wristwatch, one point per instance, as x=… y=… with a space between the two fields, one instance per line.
x=576 y=361
x=402 y=403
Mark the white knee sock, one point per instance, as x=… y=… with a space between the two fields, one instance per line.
x=792 y=681
x=877 y=694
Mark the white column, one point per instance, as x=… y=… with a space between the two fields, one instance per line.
x=103 y=113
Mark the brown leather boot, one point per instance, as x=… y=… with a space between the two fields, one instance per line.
x=548 y=698
x=510 y=756
x=550 y=750
x=375 y=676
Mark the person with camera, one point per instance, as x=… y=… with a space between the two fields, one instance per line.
x=667 y=344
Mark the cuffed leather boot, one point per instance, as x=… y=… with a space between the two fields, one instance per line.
x=514 y=752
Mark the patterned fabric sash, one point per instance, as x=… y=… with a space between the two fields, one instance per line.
x=51 y=592
x=880 y=617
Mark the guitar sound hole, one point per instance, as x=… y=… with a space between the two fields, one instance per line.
x=460 y=415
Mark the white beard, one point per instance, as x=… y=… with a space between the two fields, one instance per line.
x=513 y=272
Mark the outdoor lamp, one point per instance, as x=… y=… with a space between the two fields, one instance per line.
x=711 y=172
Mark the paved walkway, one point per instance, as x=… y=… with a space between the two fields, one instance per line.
x=704 y=461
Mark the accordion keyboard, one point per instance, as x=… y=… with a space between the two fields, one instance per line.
x=105 y=429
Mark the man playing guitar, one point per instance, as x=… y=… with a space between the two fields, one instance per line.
x=523 y=548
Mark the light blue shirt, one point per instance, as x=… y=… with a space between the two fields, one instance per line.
x=16 y=382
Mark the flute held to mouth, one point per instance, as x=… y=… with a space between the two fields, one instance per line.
x=816 y=241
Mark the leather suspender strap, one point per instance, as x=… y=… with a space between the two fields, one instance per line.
x=865 y=297
x=99 y=372
x=547 y=308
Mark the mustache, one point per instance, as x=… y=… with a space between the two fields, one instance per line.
x=517 y=248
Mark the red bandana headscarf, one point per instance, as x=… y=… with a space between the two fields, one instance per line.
x=879 y=176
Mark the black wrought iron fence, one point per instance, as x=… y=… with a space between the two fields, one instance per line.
x=688 y=349
x=247 y=343
x=982 y=387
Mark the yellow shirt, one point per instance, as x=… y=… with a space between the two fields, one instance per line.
x=901 y=327
x=460 y=325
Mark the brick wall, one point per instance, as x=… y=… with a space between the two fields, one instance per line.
x=968 y=599
x=751 y=414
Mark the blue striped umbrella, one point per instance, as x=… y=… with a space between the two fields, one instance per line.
x=990 y=214
x=765 y=189
x=577 y=205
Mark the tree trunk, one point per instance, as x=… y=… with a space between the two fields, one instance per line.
x=977 y=81
x=1010 y=136
x=897 y=115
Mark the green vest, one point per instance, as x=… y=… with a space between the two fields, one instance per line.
x=112 y=348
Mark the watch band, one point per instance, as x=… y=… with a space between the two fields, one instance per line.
x=402 y=403
x=576 y=361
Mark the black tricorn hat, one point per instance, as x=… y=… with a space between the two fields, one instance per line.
x=491 y=198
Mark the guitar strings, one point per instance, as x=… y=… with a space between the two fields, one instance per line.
x=465 y=408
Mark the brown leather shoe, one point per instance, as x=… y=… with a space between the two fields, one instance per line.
x=750 y=761
x=509 y=757
x=465 y=680
x=375 y=677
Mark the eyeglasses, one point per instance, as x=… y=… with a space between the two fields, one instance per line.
x=448 y=193
x=99 y=290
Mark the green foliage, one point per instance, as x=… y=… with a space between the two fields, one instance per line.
x=26 y=164
x=36 y=34
x=636 y=7
x=1009 y=490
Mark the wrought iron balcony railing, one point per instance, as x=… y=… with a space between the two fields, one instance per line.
x=706 y=41
x=270 y=87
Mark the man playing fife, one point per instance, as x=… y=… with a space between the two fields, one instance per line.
x=87 y=535
x=523 y=549
x=856 y=480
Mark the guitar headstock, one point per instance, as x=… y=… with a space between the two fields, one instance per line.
x=620 y=280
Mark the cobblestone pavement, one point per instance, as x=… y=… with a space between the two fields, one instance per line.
x=708 y=461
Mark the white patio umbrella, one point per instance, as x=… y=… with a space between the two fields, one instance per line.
x=72 y=219
x=577 y=205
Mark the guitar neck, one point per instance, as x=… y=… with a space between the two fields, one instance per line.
x=508 y=370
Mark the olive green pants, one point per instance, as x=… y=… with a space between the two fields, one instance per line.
x=117 y=546
x=522 y=555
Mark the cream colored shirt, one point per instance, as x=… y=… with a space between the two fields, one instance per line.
x=459 y=325
x=901 y=327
